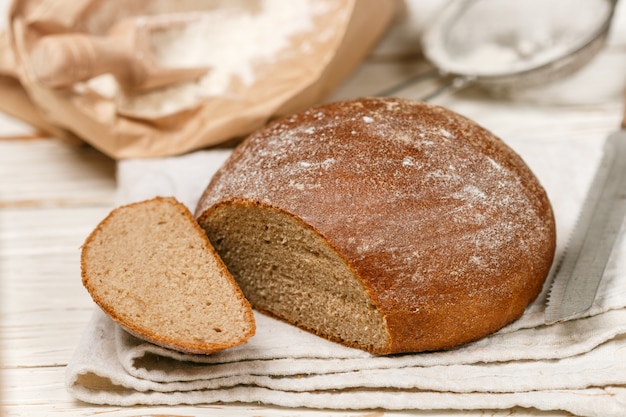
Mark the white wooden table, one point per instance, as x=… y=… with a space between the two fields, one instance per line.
x=52 y=194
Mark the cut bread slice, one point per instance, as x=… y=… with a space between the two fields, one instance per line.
x=151 y=268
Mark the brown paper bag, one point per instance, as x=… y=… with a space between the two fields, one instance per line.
x=85 y=67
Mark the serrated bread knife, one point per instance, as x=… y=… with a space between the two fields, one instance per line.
x=578 y=277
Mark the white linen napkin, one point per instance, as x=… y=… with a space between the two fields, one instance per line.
x=577 y=366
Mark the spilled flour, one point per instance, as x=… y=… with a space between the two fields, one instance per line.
x=232 y=42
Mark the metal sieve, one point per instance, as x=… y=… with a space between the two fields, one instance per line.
x=505 y=45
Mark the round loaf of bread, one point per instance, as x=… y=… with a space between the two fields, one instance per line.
x=384 y=224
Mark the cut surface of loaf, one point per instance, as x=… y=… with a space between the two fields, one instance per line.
x=288 y=270
x=150 y=267
x=384 y=224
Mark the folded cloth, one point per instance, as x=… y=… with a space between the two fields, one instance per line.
x=577 y=366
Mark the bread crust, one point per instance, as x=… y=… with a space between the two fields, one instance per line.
x=445 y=225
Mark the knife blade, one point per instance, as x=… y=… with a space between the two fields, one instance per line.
x=580 y=272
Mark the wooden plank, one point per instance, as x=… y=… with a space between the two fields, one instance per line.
x=374 y=77
x=40 y=344
x=42 y=280
x=47 y=230
x=43 y=303
x=49 y=172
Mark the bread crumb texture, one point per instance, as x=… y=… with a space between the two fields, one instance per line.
x=150 y=267
x=385 y=224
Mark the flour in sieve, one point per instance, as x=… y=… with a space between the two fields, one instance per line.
x=503 y=36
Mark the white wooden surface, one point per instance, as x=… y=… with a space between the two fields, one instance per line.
x=52 y=194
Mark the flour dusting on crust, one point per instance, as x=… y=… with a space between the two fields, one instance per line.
x=441 y=204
